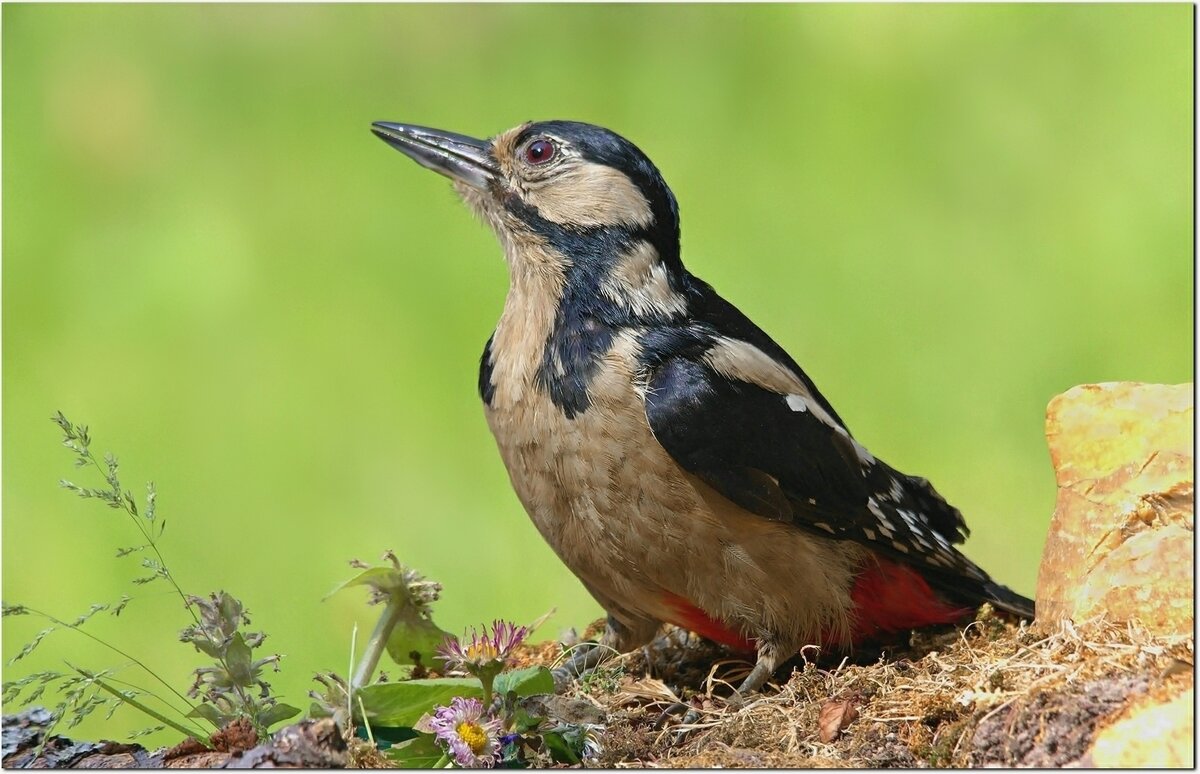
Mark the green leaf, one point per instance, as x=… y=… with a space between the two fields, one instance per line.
x=413 y=631
x=523 y=721
x=415 y=634
x=419 y=753
x=372 y=577
x=277 y=713
x=386 y=736
x=526 y=682
x=209 y=713
x=560 y=749
x=403 y=704
x=238 y=658
x=127 y=698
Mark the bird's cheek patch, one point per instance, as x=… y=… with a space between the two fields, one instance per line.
x=591 y=195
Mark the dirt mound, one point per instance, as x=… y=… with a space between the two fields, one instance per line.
x=996 y=693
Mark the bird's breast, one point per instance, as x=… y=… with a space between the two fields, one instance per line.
x=599 y=488
x=572 y=468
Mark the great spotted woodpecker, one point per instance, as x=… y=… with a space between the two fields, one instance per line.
x=678 y=461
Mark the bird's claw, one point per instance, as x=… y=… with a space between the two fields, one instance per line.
x=583 y=660
x=672 y=709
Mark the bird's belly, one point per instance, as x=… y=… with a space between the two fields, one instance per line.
x=642 y=533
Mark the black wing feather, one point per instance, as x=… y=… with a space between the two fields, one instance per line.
x=721 y=429
x=749 y=445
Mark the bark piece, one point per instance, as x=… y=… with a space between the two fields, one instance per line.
x=307 y=744
x=1052 y=728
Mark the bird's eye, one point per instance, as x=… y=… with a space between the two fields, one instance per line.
x=539 y=151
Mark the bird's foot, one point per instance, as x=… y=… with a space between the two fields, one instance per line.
x=586 y=657
x=690 y=714
x=670 y=712
x=768 y=661
x=759 y=675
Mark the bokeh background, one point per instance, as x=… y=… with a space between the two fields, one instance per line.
x=947 y=214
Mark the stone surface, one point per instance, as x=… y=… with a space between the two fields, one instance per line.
x=1150 y=734
x=1122 y=538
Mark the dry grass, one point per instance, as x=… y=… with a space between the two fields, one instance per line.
x=993 y=693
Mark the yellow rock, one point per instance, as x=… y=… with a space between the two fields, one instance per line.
x=1149 y=735
x=1122 y=539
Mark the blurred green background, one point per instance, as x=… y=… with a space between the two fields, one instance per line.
x=947 y=214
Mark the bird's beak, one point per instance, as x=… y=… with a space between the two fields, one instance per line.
x=456 y=156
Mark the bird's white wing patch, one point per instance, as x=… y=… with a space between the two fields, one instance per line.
x=736 y=359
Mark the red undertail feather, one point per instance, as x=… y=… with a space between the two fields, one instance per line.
x=890 y=597
x=887 y=597
x=692 y=618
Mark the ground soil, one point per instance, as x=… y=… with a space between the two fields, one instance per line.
x=997 y=693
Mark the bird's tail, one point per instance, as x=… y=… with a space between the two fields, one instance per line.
x=1004 y=598
x=973 y=592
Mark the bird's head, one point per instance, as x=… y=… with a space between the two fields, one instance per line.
x=556 y=191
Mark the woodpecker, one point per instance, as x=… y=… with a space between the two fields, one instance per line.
x=674 y=456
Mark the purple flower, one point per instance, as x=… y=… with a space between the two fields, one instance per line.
x=472 y=737
x=485 y=652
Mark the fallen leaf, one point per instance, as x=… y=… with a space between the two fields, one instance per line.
x=836 y=714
